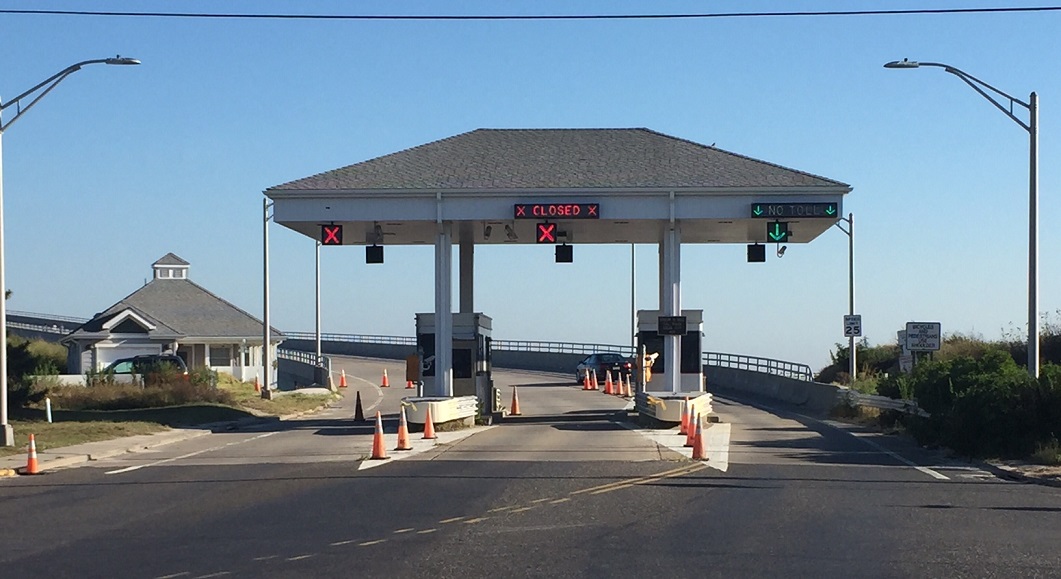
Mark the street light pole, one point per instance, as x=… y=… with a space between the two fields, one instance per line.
x=1032 y=126
x=7 y=436
x=851 y=349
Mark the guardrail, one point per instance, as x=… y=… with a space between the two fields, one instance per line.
x=559 y=347
x=359 y=338
x=757 y=364
x=883 y=403
x=52 y=329
x=738 y=361
x=298 y=356
x=71 y=319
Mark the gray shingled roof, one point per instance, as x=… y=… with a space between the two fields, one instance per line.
x=95 y=325
x=502 y=159
x=186 y=308
x=170 y=259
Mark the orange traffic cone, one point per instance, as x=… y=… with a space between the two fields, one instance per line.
x=690 y=437
x=585 y=382
x=608 y=386
x=31 y=460
x=429 y=427
x=684 y=428
x=378 y=450
x=409 y=385
x=257 y=384
x=386 y=383
x=514 y=411
x=359 y=413
x=342 y=379
x=629 y=387
x=403 y=433
x=698 y=443
x=594 y=381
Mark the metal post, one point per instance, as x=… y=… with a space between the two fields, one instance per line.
x=852 y=347
x=1033 y=238
x=7 y=435
x=319 y=360
x=267 y=358
x=633 y=305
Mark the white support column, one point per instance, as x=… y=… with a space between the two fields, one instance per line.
x=267 y=360
x=443 y=311
x=671 y=301
x=317 y=334
x=467 y=268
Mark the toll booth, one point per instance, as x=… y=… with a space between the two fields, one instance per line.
x=689 y=327
x=471 y=356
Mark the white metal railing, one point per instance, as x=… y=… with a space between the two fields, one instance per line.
x=52 y=329
x=855 y=398
x=71 y=319
x=298 y=356
x=359 y=338
x=757 y=364
x=738 y=361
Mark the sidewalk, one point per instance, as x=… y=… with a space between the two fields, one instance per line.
x=79 y=453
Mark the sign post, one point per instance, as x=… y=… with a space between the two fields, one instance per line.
x=923 y=336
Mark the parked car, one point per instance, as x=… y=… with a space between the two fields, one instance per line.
x=146 y=364
x=604 y=362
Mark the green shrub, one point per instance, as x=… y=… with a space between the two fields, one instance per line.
x=109 y=395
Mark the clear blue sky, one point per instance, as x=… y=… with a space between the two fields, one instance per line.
x=120 y=165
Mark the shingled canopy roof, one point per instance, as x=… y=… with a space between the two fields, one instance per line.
x=507 y=159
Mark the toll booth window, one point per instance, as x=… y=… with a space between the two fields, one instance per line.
x=690 y=360
x=653 y=343
x=425 y=345
x=462 y=363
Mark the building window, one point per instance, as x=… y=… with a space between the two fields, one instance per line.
x=220 y=355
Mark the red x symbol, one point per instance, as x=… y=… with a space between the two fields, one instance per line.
x=592 y=210
x=331 y=234
x=546 y=233
x=521 y=210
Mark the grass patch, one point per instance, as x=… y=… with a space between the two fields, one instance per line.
x=1048 y=454
x=108 y=411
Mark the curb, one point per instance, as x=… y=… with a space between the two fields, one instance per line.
x=1010 y=473
x=6 y=472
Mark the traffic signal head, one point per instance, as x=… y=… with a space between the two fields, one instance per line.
x=373 y=254
x=756 y=253
x=777 y=232
x=331 y=235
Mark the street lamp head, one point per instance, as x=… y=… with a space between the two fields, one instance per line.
x=904 y=63
x=121 y=60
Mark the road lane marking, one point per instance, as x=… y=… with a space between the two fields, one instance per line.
x=341 y=543
x=370 y=543
x=475 y=520
x=453 y=520
x=499 y=509
x=540 y=500
x=924 y=469
x=674 y=471
x=521 y=510
x=265 y=558
x=692 y=469
x=189 y=455
x=181 y=574
x=400 y=531
x=218 y=574
x=558 y=501
x=426 y=531
x=300 y=557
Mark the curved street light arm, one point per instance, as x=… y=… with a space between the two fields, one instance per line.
x=50 y=83
x=979 y=86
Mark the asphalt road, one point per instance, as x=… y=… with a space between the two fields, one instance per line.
x=567 y=490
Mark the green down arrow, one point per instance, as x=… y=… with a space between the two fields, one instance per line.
x=758 y=210
x=831 y=209
x=778 y=234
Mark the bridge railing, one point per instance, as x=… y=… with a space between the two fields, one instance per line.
x=720 y=359
x=49 y=317
x=757 y=364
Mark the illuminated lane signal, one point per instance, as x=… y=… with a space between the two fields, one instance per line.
x=777 y=232
x=546 y=233
x=331 y=234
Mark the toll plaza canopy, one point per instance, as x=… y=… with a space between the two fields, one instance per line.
x=573 y=186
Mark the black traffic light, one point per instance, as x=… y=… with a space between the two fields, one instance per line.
x=331 y=234
x=373 y=254
x=777 y=232
x=756 y=253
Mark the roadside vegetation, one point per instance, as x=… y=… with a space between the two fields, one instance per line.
x=981 y=400
x=107 y=409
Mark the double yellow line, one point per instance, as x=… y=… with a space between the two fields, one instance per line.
x=618 y=485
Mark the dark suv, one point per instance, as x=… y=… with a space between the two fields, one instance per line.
x=146 y=364
x=602 y=363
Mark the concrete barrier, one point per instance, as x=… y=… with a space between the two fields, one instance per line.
x=813 y=395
